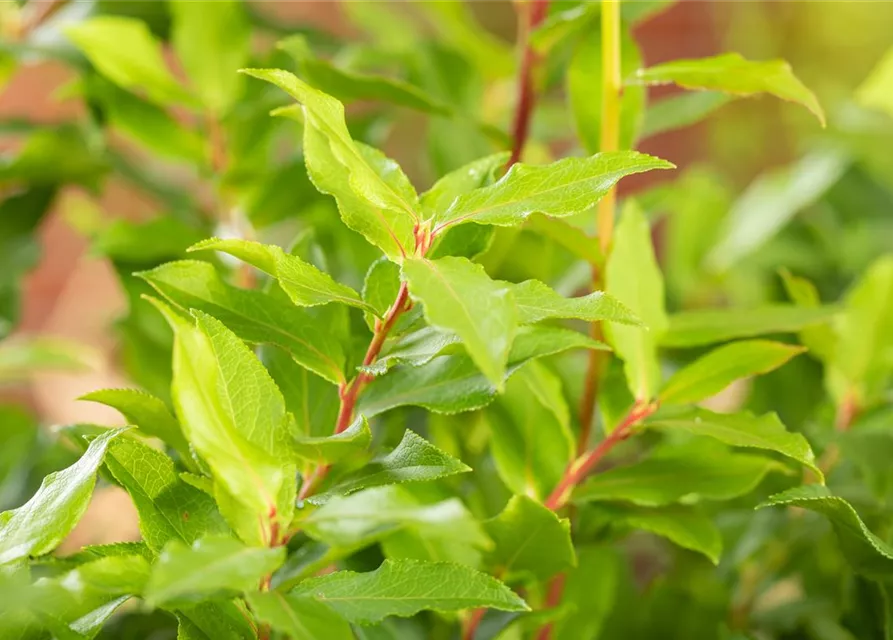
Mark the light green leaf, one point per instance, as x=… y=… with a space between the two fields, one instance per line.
x=530 y=539
x=530 y=432
x=381 y=286
x=415 y=349
x=820 y=339
x=562 y=188
x=733 y=74
x=473 y=175
x=713 y=372
x=306 y=285
x=450 y=384
x=349 y=86
x=212 y=46
x=460 y=297
x=329 y=449
x=867 y=553
x=413 y=460
x=740 y=430
x=405 y=587
x=688 y=527
x=876 y=91
x=591 y=589
x=684 y=476
x=169 y=509
x=235 y=418
x=329 y=148
x=125 y=51
x=537 y=301
x=22 y=357
x=864 y=353
x=771 y=201
x=39 y=525
x=77 y=603
x=706 y=326
x=254 y=316
x=633 y=277
x=212 y=566
x=146 y=412
x=299 y=617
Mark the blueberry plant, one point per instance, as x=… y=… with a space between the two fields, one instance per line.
x=487 y=408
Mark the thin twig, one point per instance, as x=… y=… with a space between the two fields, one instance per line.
x=526 y=92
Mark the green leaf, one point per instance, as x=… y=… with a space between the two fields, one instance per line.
x=688 y=527
x=329 y=449
x=706 y=326
x=212 y=46
x=529 y=538
x=733 y=74
x=875 y=91
x=405 y=587
x=447 y=530
x=584 y=91
x=215 y=621
x=413 y=460
x=868 y=554
x=591 y=589
x=349 y=86
x=633 y=277
x=864 y=353
x=531 y=438
x=213 y=566
x=312 y=400
x=680 y=111
x=820 y=339
x=77 y=603
x=38 y=526
x=20 y=358
x=562 y=188
x=713 y=372
x=125 y=51
x=381 y=286
x=450 y=384
x=414 y=349
x=169 y=508
x=299 y=617
x=235 y=418
x=473 y=175
x=350 y=171
x=771 y=201
x=254 y=316
x=306 y=285
x=741 y=429
x=460 y=297
x=147 y=412
x=537 y=301
x=681 y=476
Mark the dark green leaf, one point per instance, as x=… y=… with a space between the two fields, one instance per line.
x=866 y=552
x=405 y=587
x=714 y=371
x=529 y=538
x=742 y=429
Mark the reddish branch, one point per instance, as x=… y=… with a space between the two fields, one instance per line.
x=526 y=91
x=553 y=599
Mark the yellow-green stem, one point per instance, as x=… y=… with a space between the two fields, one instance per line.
x=611 y=90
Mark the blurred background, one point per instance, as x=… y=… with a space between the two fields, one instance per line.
x=825 y=196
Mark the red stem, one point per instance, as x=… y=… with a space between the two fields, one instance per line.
x=553 y=599
x=526 y=94
x=473 y=622
x=582 y=466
